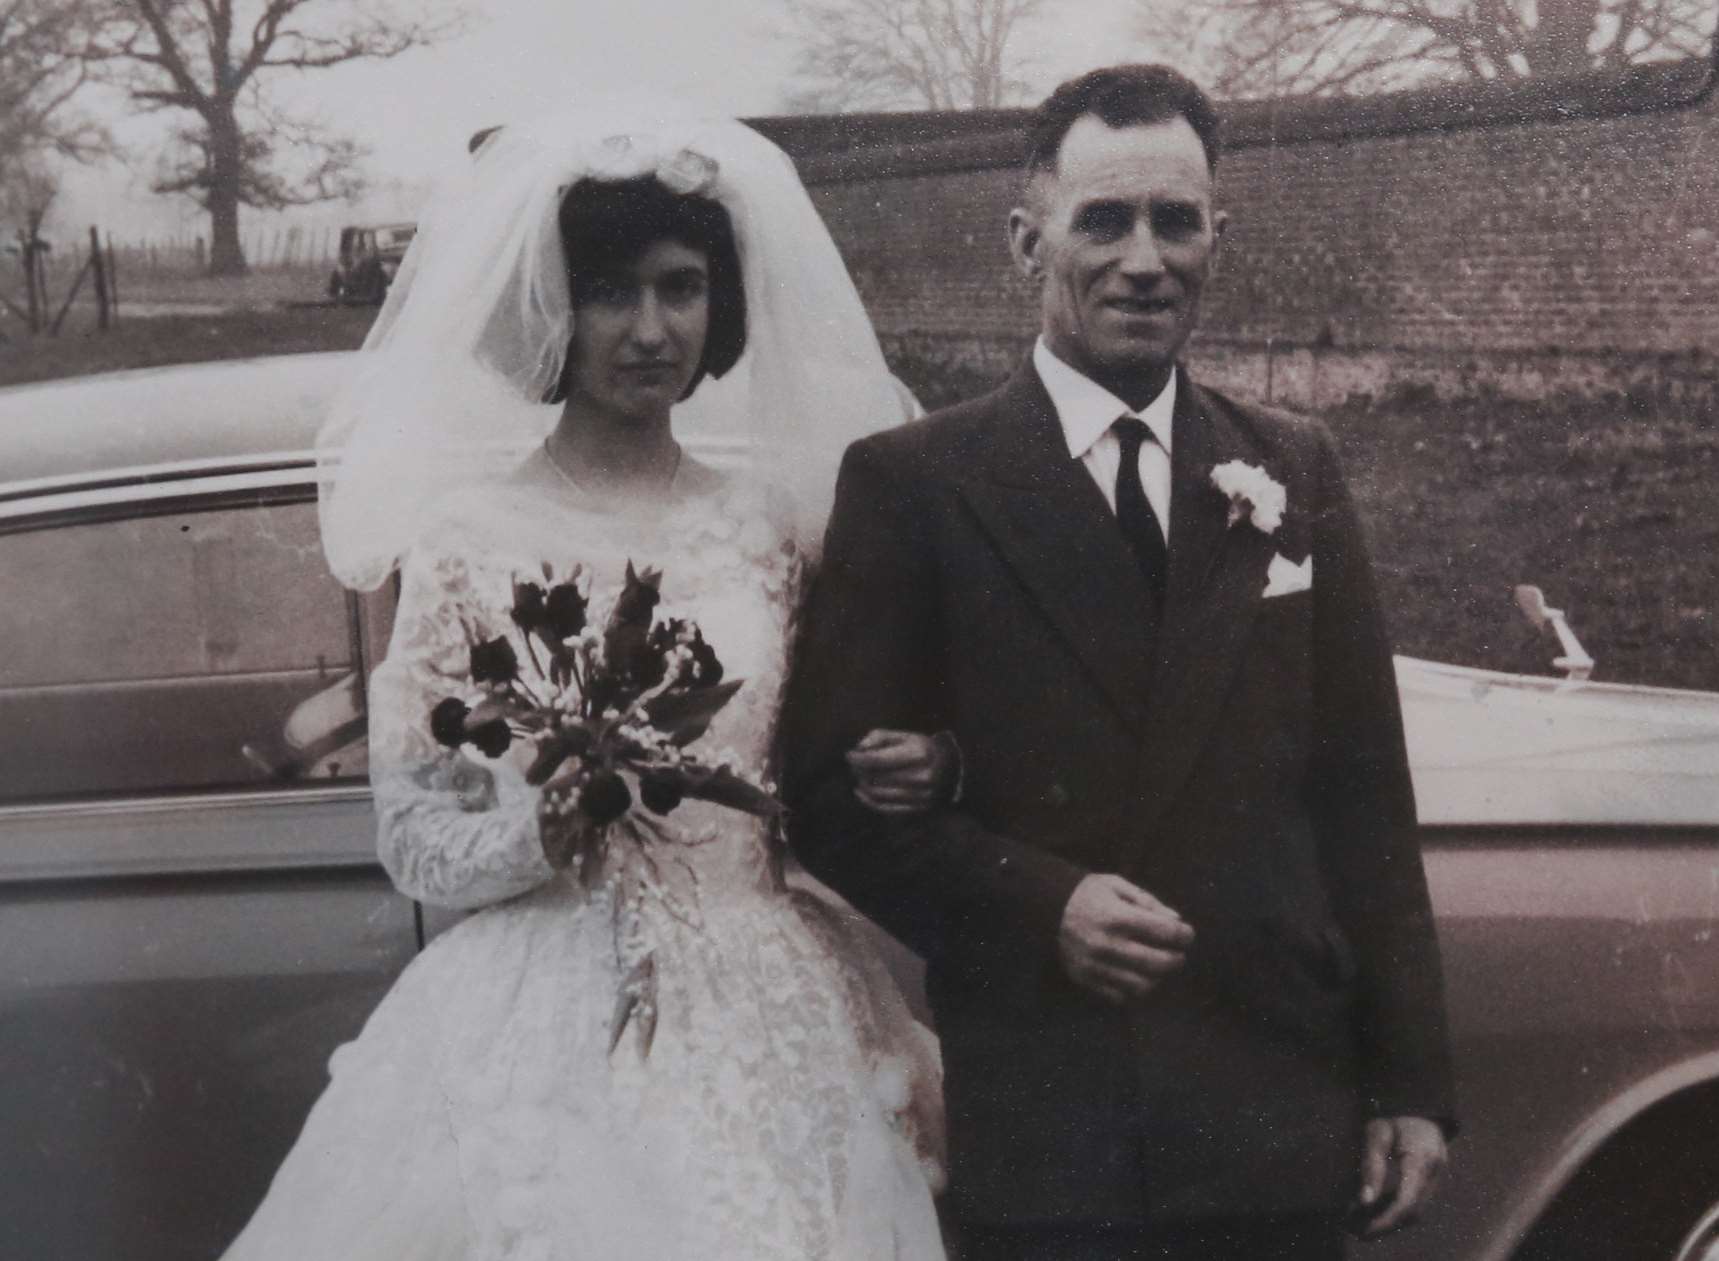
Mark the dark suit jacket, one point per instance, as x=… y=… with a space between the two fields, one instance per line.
x=1245 y=764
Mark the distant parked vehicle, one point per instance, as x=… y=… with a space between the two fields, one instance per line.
x=369 y=257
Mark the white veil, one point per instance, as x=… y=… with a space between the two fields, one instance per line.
x=475 y=326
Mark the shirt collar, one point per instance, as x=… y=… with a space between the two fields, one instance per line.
x=1087 y=410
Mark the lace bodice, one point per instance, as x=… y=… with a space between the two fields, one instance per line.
x=461 y=830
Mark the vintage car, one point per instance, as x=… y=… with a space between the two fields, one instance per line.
x=367 y=261
x=192 y=916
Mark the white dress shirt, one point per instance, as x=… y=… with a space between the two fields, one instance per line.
x=1087 y=411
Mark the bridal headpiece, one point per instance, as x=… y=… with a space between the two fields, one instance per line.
x=476 y=325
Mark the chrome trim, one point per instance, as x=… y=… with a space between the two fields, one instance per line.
x=1580 y=1144
x=181 y=801
x=1702 y=1242
x=143 y=474
x=268 y=829
x=72 y=501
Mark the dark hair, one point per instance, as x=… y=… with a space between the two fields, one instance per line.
x=608 y=224
x=1121 y=96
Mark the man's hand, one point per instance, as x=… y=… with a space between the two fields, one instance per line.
x=904 y=772
x=1402 y=1159
x=1118 y=941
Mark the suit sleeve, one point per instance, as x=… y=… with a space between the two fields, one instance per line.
x=1362 y=802
x=870 y=654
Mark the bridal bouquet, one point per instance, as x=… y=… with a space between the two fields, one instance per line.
x=609 y=713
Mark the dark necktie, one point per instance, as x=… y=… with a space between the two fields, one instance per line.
x=1134 y=511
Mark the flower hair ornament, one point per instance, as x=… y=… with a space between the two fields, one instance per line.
x=683 y=172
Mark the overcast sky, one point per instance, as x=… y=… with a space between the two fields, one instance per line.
x=518 y=56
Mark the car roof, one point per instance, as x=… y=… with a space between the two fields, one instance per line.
x=238 y=410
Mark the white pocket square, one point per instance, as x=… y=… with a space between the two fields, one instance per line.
x=1285 y=577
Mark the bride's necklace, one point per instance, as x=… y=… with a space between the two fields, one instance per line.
x=586 y=488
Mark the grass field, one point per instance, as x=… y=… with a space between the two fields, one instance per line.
x=1610 y=508
x=196 y=338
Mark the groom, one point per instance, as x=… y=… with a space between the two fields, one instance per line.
x=1177 y=935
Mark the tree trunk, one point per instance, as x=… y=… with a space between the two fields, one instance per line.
x=1559 y=44
x=226 y=255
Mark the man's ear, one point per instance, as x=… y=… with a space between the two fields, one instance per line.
x=1025 y=238
x=1220 y=221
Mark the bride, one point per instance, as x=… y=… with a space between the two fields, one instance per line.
x=519 y=1094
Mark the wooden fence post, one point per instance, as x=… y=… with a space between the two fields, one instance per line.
x=100 y=265
x=39 y=280
x=54 y=328
x=32 y=304
x=112 y=281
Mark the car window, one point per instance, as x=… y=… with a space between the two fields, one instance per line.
x=193 y=650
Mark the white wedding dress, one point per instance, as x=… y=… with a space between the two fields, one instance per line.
x=787 y=1105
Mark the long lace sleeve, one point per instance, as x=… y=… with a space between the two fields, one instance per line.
x=452 y=831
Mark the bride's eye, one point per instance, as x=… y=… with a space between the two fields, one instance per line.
x=609 y=291
x=681 y=287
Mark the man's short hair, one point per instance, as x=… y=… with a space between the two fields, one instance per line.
x=1121 y=96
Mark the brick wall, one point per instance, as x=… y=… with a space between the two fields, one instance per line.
x=1532 y=239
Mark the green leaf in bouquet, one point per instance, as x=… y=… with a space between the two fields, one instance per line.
x=591 y=856
x=723 y=787
x=566 y=743
x=684 y=714
x=638 y=996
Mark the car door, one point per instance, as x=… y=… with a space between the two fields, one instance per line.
x=191 y=914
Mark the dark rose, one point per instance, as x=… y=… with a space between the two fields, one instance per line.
x=448 y=722
x=638 y=599
x=492 y=737
x=530 y=608
x=660 y=793
x=605 y=798
x=665 y=635
x=707 y=669
x=494 y=661
x=565 y=611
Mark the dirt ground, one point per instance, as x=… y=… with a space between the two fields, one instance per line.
x=1607 y=505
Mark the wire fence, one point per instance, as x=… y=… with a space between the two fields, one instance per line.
x=71 y=281
x=265 y=249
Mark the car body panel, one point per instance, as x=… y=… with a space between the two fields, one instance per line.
x=160 y=1041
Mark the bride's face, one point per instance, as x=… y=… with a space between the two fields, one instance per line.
x=639 y=330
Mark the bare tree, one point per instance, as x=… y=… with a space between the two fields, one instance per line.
x=1282 y=47
x=213 y=60
x=28 y=187
x=927 y=54
x=41 y=70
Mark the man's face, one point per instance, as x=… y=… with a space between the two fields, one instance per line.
x=1122 y=236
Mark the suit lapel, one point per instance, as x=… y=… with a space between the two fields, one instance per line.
x=1051 y=524
x=1217 y=572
